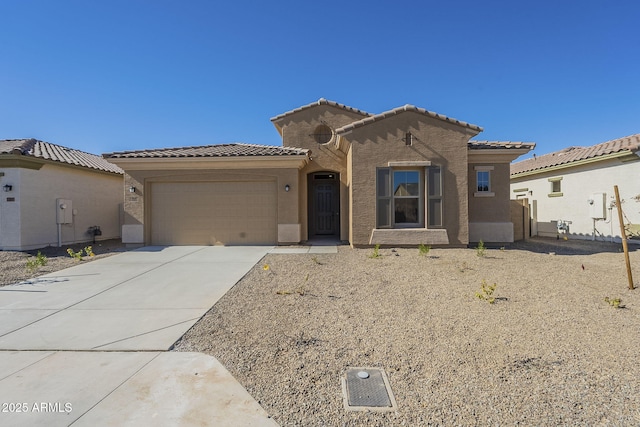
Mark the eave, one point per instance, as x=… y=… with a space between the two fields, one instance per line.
x=624 y=156
x=240 y=162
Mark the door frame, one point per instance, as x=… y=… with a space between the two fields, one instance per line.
x=312 y=181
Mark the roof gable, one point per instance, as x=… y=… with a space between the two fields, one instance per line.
x=47 y=151
x=321 y=101
x=217 y=150
x=570 y=155
x=391 y=113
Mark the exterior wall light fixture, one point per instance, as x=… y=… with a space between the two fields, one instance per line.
x=132 y=189
x=7 y=188
x=287 y=188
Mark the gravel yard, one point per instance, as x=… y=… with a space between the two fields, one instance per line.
x=549 y=351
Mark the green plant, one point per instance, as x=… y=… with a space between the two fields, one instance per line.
x=486 y=292
x=376 y=252
x=76 y=255
x=37 y=262
x=423 y=250
x=614 y=302
x=315 y=259
x=480 y=249
x=88 y=251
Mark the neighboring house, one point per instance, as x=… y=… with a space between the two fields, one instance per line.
x=53 y=195
x=403 y=177
x=575 y=186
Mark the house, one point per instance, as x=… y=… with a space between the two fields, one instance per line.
x=53 y=195
x=403 y=177
x=572 y=190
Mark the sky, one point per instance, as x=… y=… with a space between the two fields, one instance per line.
x=106 y=76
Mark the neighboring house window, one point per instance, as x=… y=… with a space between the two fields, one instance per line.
x=401 y=201
x=483 y=181
x=556 y=187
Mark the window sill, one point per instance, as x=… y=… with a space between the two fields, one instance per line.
x=555 y=194
x=484 y=194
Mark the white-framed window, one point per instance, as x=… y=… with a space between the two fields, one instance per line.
x=402 y=197
x=555 y=185
x=483 y=181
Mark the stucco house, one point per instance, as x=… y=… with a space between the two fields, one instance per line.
x=402 y=177
x=53 y=195
x=574 y=188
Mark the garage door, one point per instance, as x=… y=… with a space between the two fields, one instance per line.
x=210 y=213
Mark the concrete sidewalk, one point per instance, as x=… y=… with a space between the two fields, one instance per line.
x=136 y=305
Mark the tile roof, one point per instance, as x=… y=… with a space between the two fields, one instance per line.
x=320 y=101
x=218 y=150
x=399 y=110
x=57 y=153
x=493 y=145
x=573 y=154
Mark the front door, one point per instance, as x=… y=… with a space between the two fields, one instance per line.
x=324 y=208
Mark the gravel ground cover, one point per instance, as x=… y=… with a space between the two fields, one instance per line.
x=548 y=351
x=13 y=264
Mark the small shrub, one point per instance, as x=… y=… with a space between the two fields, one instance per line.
x=424 y=250
x=614 y=302
x=76 y=255
x=37 y=262
x=486 y=292
x=376 y=252
x=480 y=249
x=89 y=251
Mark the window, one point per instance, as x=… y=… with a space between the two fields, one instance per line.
x=483 y=181
x=556 y=187
x=322 y=134
x=401 y=197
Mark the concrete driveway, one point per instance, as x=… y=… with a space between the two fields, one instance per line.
x=115 y=318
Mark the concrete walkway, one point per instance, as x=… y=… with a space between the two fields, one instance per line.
x=115 y=318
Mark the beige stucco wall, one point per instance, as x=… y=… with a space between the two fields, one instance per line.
x=297 y=131
x=578 y=184
x=29 y=221
x=440 y=143
x=138 y=220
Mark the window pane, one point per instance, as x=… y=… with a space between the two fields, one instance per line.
x=555 y=186
x=483 y=180
x=383 y=213
x=407 y=211
x=384 y=186
x=434 y=182
x=435 y=212
x=406 y=183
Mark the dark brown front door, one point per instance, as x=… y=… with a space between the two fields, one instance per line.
x=324 y=208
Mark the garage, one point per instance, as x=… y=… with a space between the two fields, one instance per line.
x=214 y=213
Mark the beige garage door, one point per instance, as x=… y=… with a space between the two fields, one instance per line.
x=210 y=213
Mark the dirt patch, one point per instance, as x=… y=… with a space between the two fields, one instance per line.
x=548 y=351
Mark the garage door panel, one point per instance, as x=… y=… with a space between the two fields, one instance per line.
x=206 y=213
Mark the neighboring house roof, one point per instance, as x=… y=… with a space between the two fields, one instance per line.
x=219 y=150
x=36 y=149
x=570 y=155
x=320 y=101
x=500 y=145
x=399 y=110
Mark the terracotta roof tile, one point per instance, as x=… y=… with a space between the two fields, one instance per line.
x=320 y=101
x=492 y=145
x=218 y=150
x=399 y=110
x=57 y=153
x=574 y=154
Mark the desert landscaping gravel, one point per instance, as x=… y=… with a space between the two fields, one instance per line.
x=549 y=351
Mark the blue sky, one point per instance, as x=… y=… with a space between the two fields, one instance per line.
x=124 y=75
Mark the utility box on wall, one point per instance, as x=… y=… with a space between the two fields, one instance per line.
x=597 y=206
x=64 y=211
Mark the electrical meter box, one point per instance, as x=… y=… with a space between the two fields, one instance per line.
x=64 y=211
x=598 y=206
